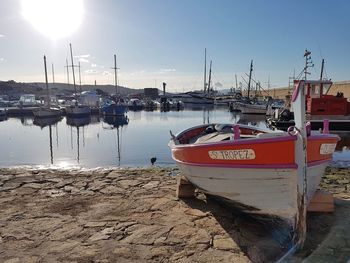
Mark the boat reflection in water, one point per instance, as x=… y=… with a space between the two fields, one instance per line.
x=49 y=121
x=43 y=122
x=78 y=123
x=116 y=122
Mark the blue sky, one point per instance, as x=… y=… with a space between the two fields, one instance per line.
x=158 y=41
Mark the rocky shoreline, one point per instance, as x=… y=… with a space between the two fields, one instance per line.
x=133 y=215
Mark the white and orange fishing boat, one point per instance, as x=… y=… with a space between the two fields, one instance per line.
x=260 y=172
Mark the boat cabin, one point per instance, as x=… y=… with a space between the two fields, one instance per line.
x=318 y=102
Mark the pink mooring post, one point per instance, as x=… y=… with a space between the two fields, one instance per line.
x=325 y=126
x=236 y=133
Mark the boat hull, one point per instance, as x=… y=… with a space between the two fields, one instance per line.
x=47 y=112
x=114 y=110
x=252 y=108
x=78 y=111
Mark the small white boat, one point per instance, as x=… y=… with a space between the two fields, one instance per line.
x=248 y=108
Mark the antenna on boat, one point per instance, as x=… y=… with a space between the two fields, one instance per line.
x=205 y=69
x=236 y=82
x=322 y=68
x=308 y=63
x=250 y=76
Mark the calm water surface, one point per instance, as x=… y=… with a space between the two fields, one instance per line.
x=98 y=142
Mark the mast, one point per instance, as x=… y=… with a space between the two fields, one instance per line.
x=79 y=77
x=46 y=82
x=236 y=82
x=205 y=70
x=53 y=75
x=115 y=74
x=250 y=76
x=322 y=68
x=67 y=71
x=71 y=56
x=209 y=80
x=308 y=63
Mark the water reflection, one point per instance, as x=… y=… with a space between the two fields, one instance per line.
x=78 y=123
x=44 y=122
x=117 y=123
x=135 y=141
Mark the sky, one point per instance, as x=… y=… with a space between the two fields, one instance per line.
x=164 y=40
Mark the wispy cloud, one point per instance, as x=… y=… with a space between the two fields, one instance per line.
x=84 y=60
x=2 y=60
x=91 y=71
x=1 y=35
x=167 y=70
x=106 y=73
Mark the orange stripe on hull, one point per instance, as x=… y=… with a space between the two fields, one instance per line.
x=269 y=153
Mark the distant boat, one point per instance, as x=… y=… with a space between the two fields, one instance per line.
x=47 y=110
x=112 y=108
x=76 y=110
x=250 y=105
x=203 y=97
x=27 y=100
x=117 y=107
x=136 y=104
x=270 y=175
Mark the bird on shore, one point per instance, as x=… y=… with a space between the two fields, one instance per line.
x=153 y=160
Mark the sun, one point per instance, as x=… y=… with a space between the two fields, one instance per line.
x=54 y=18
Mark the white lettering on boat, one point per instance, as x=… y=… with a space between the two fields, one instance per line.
x=243 y=154
x=327 y=148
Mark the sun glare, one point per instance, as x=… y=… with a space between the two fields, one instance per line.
x=54 y=18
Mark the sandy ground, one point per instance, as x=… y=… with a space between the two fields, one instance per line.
x=133 y=215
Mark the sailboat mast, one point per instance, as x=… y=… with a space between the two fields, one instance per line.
x=46 y=81
x=71 y=56
x=205 y=70
x=53 y=75
x=115 y=74
x=67 y=71
x=79 y=77
x=209 y=80
x=250 y=76
x=236 y=82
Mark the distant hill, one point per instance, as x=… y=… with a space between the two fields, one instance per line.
x=15 y=89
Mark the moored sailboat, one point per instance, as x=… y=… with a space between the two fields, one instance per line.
x=47 y=111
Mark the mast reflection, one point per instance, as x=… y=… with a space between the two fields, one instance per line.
x=78 y=123
x=44 y=122
x=116 y=122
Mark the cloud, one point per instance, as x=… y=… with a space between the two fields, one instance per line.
x=167 y=70
x=2 y=60
x=84 y=60
x=2 y=35
x=91 y=71
x=106 y=73
x=93 y=65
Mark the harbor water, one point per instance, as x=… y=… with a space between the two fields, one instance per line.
x=109 y=142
